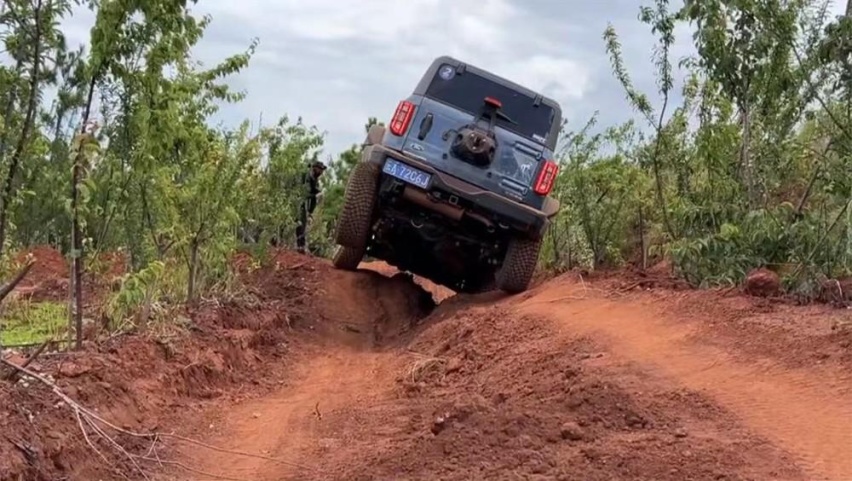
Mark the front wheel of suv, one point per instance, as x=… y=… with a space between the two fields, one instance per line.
x=516 y=273
x=356 y=216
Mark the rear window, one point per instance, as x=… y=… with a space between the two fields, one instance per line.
x=467 y=91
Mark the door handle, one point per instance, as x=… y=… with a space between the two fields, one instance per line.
x=425 y=126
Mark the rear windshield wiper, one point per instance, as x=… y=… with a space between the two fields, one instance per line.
x=505 y=117
x=497 y=106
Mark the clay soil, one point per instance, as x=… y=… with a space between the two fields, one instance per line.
x=48 y=279
x=317 y=374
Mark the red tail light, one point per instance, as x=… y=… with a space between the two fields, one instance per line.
x=402 y=118
x=546 y=178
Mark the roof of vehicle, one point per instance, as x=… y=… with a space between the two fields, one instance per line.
x=427 y=77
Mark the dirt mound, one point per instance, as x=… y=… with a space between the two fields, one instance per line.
x=50 y=264
x=135 y=384
x=217 y=352
x=48 y=278
x=658 y=276
x=489 y=395
x=345 y=305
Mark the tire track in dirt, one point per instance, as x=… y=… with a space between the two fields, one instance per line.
x=285 y=426
x=793 y=408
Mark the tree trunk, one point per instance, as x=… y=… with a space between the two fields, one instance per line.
x=745 y=155
x=76 y=232
x=193 y=269
x=29 y=120
x=11 y=100
x=848 y=211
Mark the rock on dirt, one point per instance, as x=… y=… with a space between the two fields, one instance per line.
x=571 y=431
x=762 y=283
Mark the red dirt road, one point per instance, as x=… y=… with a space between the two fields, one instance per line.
x=318 y=374
x=807 y=412
x=569 y=381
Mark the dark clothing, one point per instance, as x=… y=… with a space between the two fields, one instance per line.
x=312 y=183
x=307 y=206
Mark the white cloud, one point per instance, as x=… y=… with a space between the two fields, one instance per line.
x=336 y=63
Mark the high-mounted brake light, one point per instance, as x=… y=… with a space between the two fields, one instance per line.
x=546 y=178
x=402 y=118
x=493 y=102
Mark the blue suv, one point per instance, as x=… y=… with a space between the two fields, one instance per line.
x=456 y=188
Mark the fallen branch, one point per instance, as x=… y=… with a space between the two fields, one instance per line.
x=87 y=417
x=630 y=287
x=92 y=445
x=14 y=373
x=11 y=285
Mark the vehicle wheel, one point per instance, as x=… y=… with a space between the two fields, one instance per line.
x=518 y=265
x=347 y=258
x=353 y=226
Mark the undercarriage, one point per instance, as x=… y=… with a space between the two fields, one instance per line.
x=434 y=239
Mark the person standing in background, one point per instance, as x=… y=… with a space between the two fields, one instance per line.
x=310 y=182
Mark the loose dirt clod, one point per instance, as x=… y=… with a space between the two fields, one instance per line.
x=762 y=283
x=571 y=431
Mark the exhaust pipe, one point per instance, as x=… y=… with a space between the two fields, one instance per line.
x=481 y=218
x=453 y=212
x=422 y=199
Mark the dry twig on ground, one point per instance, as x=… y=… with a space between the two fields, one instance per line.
x=97 y=424
x=422 y=368
x=13 y=374
x=10 y=286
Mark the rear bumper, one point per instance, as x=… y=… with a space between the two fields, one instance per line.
x=499 y=209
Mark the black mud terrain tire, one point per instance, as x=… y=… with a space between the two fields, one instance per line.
x=356 y=216
x=519 y=265
x=347 y=258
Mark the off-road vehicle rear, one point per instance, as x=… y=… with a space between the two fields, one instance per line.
x=455 y=188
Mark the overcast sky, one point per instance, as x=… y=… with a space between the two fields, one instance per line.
x=336 y=63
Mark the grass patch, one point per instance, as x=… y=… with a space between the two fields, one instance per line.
x=24 y=322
